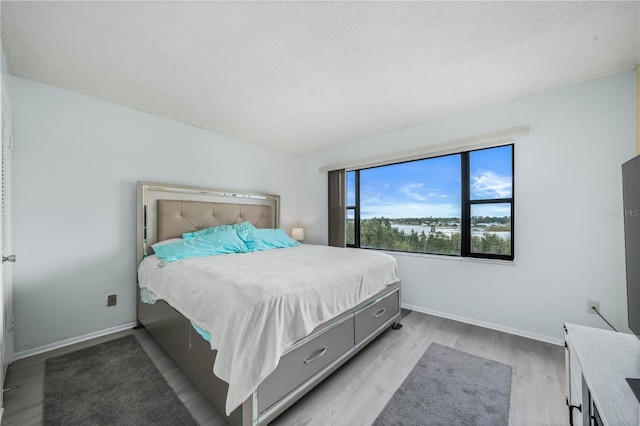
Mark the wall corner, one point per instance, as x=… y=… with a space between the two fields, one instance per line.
x=638 y=109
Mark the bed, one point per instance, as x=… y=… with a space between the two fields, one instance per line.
x=289 y=337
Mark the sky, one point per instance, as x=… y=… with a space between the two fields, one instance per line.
x=432 y=187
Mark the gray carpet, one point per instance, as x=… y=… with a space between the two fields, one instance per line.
x=113 y=383
x=451 y=387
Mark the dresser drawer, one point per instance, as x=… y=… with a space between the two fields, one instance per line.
x=374 y=316
x=303 y=362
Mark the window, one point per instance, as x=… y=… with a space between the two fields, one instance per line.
x=459 y=204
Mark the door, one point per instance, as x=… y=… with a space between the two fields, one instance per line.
x=6 y=282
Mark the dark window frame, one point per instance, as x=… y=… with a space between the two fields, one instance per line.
x=356 y=211
x=466 y=204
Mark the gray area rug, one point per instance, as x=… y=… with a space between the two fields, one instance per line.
x=451 y=387
x=113 y=383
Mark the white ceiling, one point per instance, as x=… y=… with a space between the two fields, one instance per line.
x=300 y=76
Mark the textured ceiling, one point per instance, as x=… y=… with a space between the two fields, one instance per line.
x=300 y=76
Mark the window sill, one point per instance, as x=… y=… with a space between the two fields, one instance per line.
x=451 y=258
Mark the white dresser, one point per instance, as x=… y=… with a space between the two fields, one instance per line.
x=597 y=364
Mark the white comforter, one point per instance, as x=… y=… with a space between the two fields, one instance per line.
x=256 y=305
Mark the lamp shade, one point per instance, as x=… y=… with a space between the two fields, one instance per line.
x=297 y=234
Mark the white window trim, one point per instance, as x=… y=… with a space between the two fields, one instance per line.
x=487 y=140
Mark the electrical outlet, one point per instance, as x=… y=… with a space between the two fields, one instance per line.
x=593 y=306
x=111 y=300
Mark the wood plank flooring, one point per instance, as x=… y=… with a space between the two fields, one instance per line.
x=357 y=392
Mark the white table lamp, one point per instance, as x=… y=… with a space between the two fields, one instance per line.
x=297 y=234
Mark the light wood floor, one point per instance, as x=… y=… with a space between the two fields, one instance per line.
x=357 y=392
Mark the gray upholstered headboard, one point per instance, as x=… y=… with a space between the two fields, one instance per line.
x=166 y=211
x=176 y=217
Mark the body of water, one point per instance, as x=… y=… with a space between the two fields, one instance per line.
x=475 y=232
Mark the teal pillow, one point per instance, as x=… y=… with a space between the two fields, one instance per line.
x=219 y=242
x=243 y=226
x=206 y=231
x=238 y=227
x=267 y=239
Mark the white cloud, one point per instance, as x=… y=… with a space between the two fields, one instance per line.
x=368 y=196
x=371 y=195
x=490 y=184
x=411 y=191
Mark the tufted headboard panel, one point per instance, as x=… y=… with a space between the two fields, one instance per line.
x=176 y=217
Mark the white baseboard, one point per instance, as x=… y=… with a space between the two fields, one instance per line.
x=522 y=333
x=72 y=340
x=56 y=345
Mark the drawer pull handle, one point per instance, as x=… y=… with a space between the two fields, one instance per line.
x=380 y=313
x=316 y=356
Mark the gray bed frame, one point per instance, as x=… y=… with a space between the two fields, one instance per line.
x=166 y=211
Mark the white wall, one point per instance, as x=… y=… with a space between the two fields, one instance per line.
x=569 y=243
x=76 y=163
x=3 y=64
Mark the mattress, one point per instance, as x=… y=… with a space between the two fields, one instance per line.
x=256 y=305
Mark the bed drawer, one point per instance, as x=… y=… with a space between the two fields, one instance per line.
x=374 y=316
x=298 y=365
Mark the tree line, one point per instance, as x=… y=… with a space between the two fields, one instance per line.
x=380 y=233
x=417 y=221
